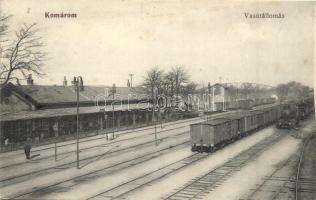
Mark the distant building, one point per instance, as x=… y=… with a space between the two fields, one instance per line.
x=211 y=98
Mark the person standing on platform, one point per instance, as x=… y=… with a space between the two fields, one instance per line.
x=27 y=149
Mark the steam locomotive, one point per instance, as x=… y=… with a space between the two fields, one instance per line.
x=289 y=117
x=293 y=112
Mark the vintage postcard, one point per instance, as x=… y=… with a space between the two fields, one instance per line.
x=157 y=99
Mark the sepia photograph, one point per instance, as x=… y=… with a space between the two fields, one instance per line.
x=157 y=99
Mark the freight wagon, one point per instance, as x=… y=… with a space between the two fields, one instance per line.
x=210 y=135
x=246 y=122
x=259 y=119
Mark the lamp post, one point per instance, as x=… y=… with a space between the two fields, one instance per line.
x=213 y=99
x=56 y=130
x=113 y=92
x=106 y=122
x=76 y=83
x=154 y=108
x=113 y=121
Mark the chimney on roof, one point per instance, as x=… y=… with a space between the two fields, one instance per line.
x=65 y=81
x=73 y=82
x=29 y=80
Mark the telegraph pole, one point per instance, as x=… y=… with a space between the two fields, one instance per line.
x=131 y=75
x=113 y=122
x=223 y=99
x=213 y=100
x=56 y=130
x=106 y=122
x=78 y=127
x=154 y=107
x=209 y=95
x=77 y=81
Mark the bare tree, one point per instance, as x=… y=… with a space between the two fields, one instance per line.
x=3 y=27
x=180 y=77
x=176 y=81
x=292 y=91
x=23 y=56
x=3 y=32
x=188 y=89
x=152 y=80
x=169 y=84
x=247 y=89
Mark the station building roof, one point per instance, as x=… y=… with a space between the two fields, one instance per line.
x=46 y=97
x=56 y=94
x=59 y=112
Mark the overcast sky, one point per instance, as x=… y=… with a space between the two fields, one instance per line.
x=110 y=39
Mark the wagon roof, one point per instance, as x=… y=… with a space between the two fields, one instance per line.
x=270 y=109
x=215 y=121
x=235 y=116
x=265 y=109
x=256 y=112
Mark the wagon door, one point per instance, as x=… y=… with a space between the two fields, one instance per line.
x=196 y=134
x=241 y=125
x=207 y=135
x=247 y=123
x=235 y=127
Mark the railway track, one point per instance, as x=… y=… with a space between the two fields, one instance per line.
x=126 y=187
x=136 y=183
x=38 y=192
x=198 y=187
x=122 y=190
x=284 y=182
x=274 y=184
x=52 y=169
x=297 y=177
x=305 y=187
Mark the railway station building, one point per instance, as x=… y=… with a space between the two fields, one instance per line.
x=44 y=113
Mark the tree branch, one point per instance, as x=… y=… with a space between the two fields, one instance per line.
x=25 y=55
